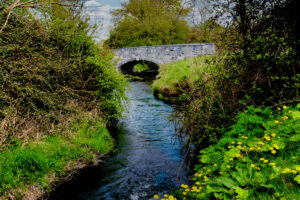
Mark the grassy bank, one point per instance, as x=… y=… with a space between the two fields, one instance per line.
x=177 y=77
x=30 y=169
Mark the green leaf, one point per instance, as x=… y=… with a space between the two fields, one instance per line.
x=296 y=115
x=242 y=194
x=297 y=178
x=295 y=138
x=210 y=189
x=241 y=176
x=228 y=182
x=205 y=159
x=230 y=154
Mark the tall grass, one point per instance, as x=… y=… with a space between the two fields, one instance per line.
x=21 y=165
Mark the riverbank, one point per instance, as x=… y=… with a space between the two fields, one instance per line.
x=230 y=113
x=258 y=158
x=30 y=170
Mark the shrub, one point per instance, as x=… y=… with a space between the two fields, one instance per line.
x=256 y=159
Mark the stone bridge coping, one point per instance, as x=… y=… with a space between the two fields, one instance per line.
x=169 y=45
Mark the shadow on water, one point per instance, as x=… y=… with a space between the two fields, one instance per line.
x=149 y=158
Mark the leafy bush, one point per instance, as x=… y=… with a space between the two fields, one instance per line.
x=256 y=159
x=46 y=62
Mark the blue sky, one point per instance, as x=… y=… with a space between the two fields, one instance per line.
x=99 y=12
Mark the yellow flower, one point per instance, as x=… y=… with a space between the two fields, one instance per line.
x=276 y=146
x=215 y=165
x=273 y=152
x=290 y=111
x=165 y=195
x=187 y=190
x=239 y=147
x=298 y=168
x=257 y=168
x=184 y=186
x=273 y=134
x=171 y=197
x=205 y=177
x=238 y=155
x=229 y=147
x=266 y=161
x=261 y=159
x=197 y=183
x=232 y=142
x=278 y=108
x=277 y=122
x=209 y=170
x=284 y=107
x=294 y=171
x=271 y=148
x=268 y=138
x=251 y=149
x=252 y=165
x=261 y=143
x=272 y=164
x=231 y=159
x=184 y=193
x=286 y=171
x=228 y=167
x=240 y=143
x=285 y=117
x=258 y=149
x=156 y=196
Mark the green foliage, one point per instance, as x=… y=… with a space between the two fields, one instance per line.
x=211 y=32
x=141 y=67
x=56 y=64
x=148 y=22
x=255 y=159
x=21 y=165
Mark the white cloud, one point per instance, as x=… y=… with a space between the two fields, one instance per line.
x=100 y=14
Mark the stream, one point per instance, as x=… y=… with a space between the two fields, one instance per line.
x=149 y=157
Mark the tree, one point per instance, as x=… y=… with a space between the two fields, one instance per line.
x=148 y=22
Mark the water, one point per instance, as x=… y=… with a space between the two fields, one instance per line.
x=149 y=159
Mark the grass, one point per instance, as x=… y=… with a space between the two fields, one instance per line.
x=25 y=164
x=140 y=67
x=185 y=73
x=257 y=159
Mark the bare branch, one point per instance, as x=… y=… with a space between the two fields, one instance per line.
x=9 y=9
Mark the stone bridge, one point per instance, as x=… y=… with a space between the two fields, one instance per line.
x=162 y=54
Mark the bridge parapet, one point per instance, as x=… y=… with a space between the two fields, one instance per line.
x=162 y=54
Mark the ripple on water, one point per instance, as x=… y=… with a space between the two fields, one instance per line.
x=149 y=154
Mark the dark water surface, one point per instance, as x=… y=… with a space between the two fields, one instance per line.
x=149 y=159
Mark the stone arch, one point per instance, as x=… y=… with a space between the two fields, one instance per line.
x=127 y=67
x=126 y=61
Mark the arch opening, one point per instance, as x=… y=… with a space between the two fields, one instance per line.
x=144 y=69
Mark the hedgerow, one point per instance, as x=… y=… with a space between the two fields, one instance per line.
x=48 y=61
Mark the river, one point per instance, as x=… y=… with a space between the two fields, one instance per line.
x=149 y=157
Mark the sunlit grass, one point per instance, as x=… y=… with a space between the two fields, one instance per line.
x=182 y=73
x=30 y=163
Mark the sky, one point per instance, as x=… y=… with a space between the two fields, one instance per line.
x=99 y=13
